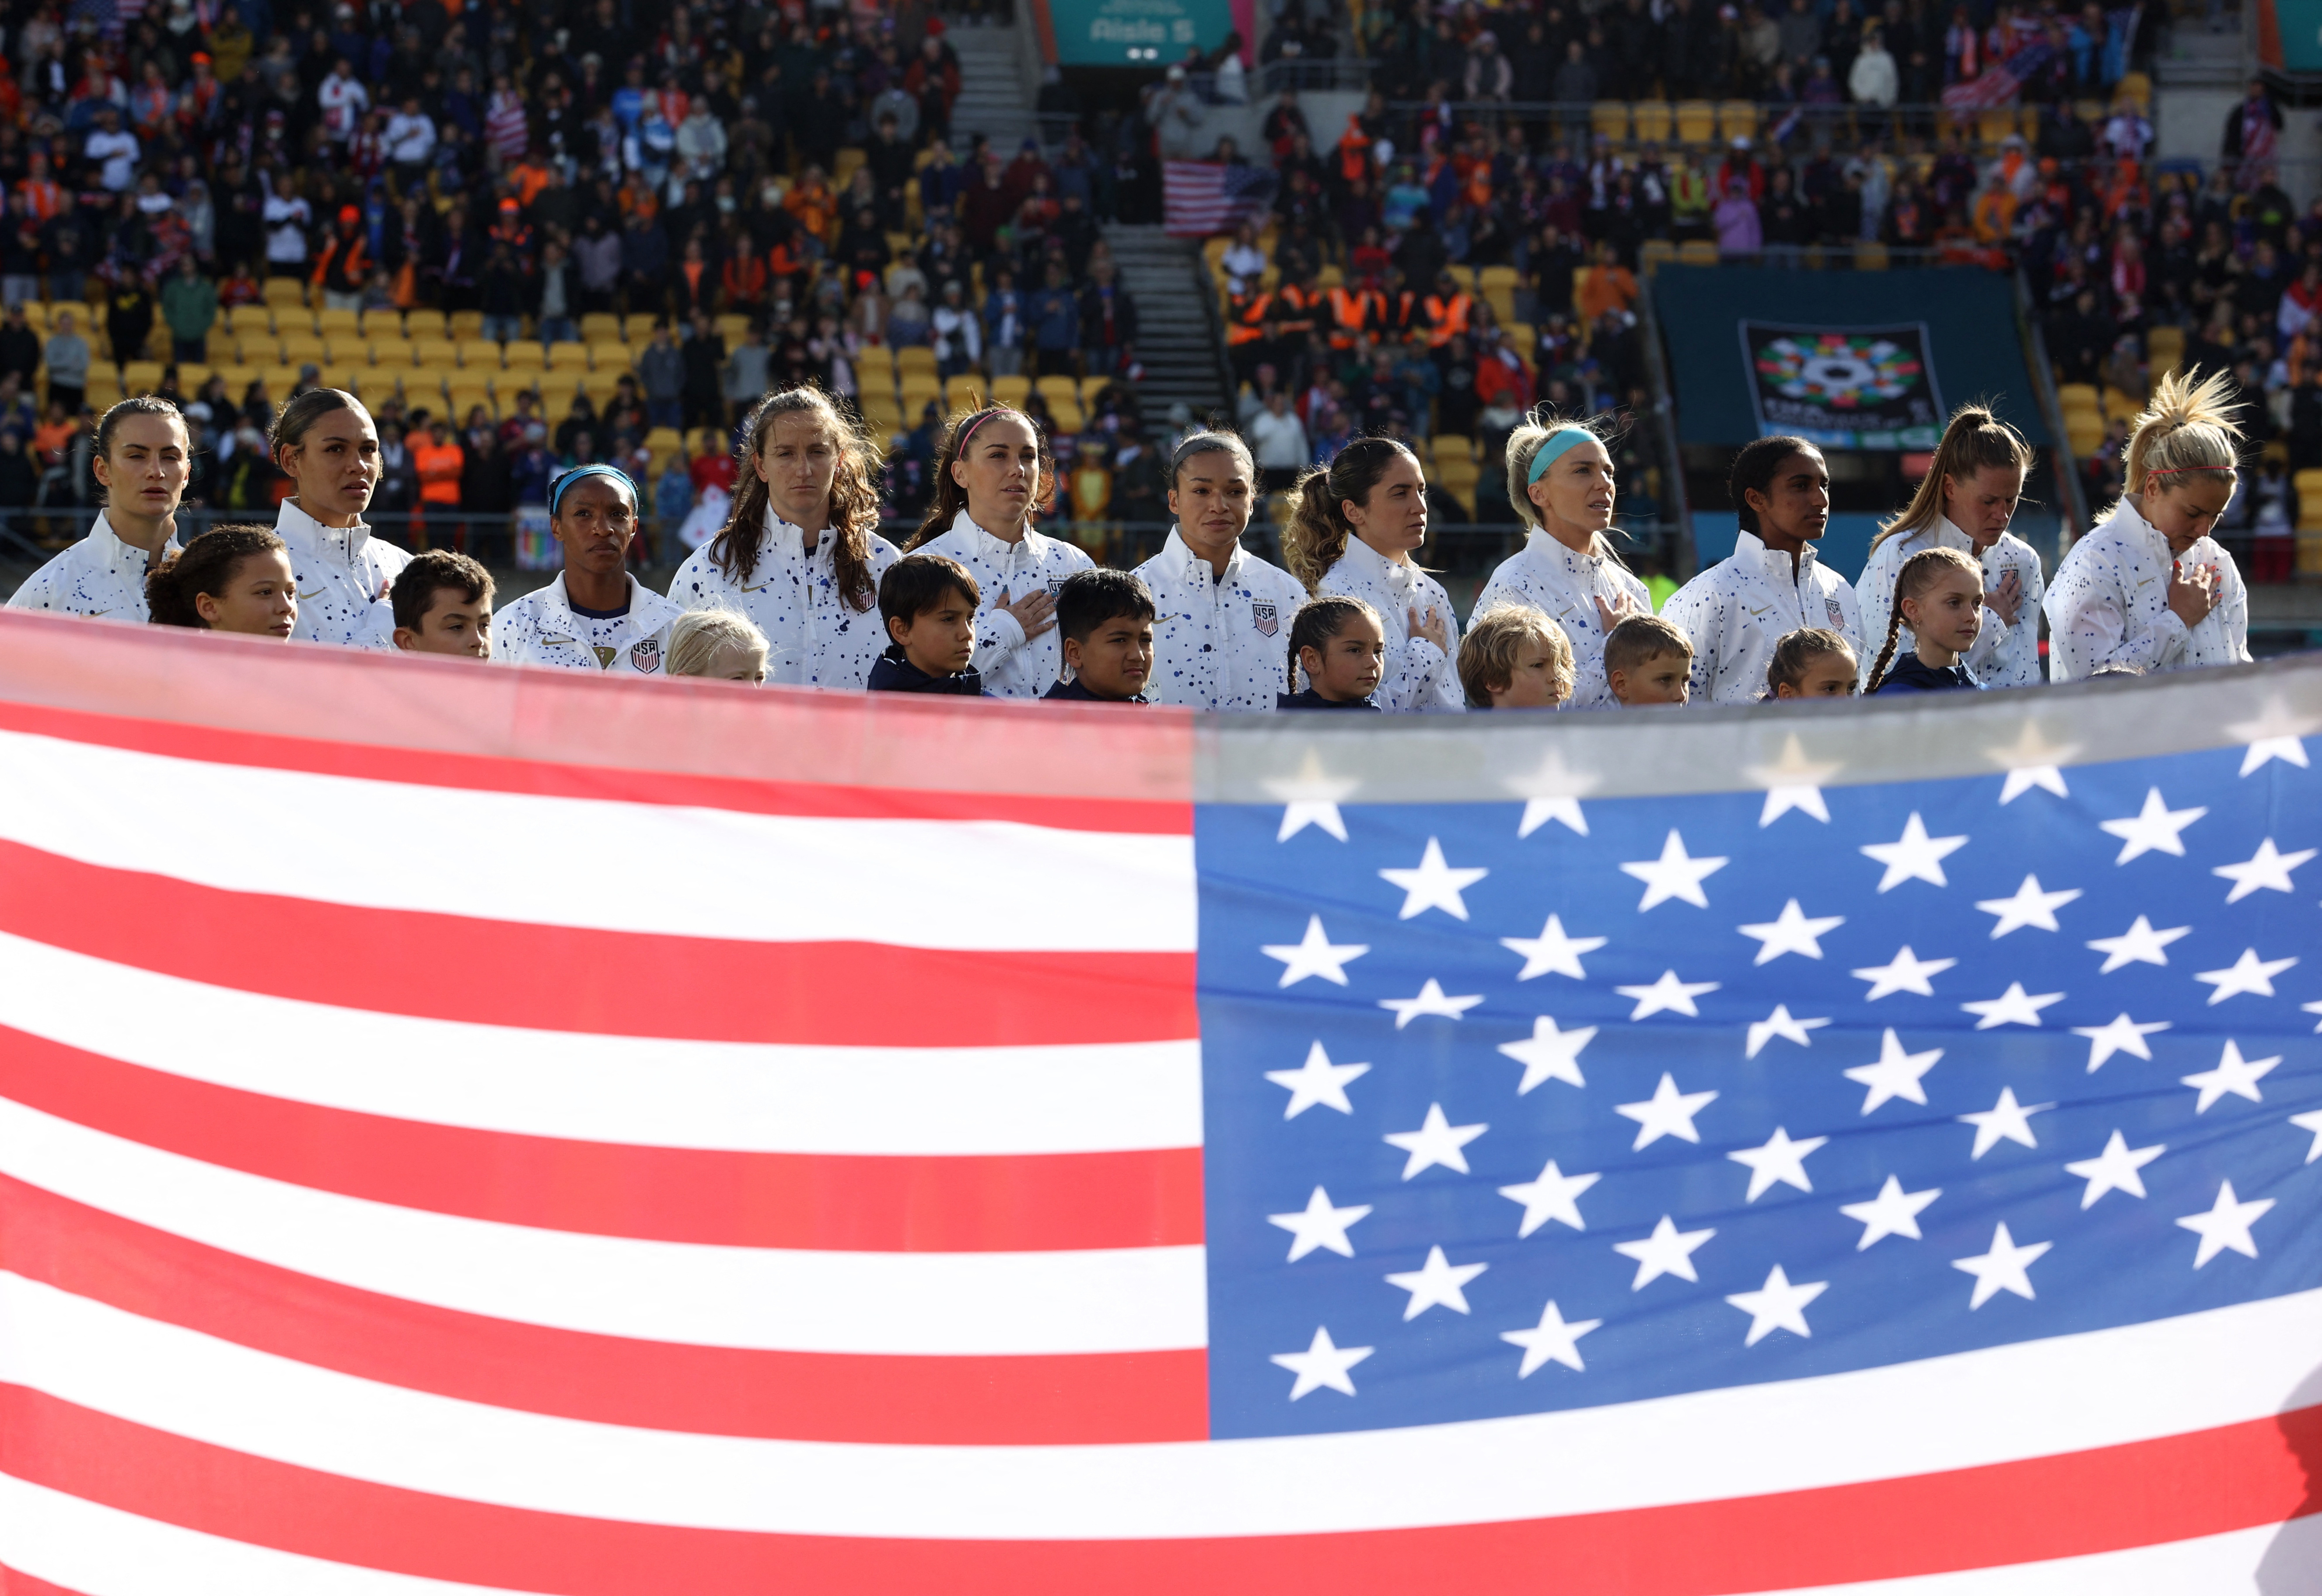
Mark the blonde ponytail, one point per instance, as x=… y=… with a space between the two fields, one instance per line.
x=1975 y=438
x=2188 y=427
x=1523 y=446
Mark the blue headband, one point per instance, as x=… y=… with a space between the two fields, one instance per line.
x=1557 y=443
x=556 y=494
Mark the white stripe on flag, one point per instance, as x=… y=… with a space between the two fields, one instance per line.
x=2027 y=1400
x=981 y=885
x=927 y=1304
x=639 y=1091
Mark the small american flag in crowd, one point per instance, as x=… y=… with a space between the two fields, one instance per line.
x=1203 y=198
x=510 y=1130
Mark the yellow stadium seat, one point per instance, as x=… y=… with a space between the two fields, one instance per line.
x=247 y=319
x=436 y=355
x=2137 y=89
x=299 y=348
x=1696 y=122
x=238 y=378
x=914 y=357
x=259 y=348
x=2072 y=394
x=523 y=355
x=141 y=376
x=1737 y=119
x=731 y=327
x=1654 y=253
x=222 y=347
x=1994 y=126
x=465 y=397
x=1060 y=390
x=1652 y=119
x=965 y=392
x=466 y=324
x=1697 y=252
x=1450 y=445
x=280 y=381
x=601 y=327
x=567 y=357
x=1011 y=390
x=333 y=324
x=347 y=349
x=391 y=351
x=285 y=293
x=1610 y=118
x=426 y=324
x=2121 y=406
x=609 y=357
x=638 y=328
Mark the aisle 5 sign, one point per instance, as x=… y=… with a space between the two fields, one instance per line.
x=1119 y=33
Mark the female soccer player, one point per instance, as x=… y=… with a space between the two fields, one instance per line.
x=1358 y=519
x=230 y=579
x=595 y=615
x=1737 y=610
x=1964 y=503
x=1221 y=612
x=325 y=442
x=993 y=473
x=2149 y=589
x=143 y=454
x=800 y=554
x=1560 y=485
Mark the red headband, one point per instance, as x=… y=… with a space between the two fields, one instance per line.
x=972 y=425
x=2173 y=469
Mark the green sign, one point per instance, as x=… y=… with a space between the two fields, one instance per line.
x=1138 y=32
x=2300 y=22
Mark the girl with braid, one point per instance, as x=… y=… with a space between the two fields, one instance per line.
x=2150 y=589
x=1939 y=599
x=800 y=557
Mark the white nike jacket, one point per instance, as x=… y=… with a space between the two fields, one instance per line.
x=815 y=639
x=343 y=574
x=2002 y=656
x=1219 y=642
x=100 y=575
x=541 y=630
x=1418 y=677
x=2110 y=604
x=1738 y=610
x=1012 y=664
x=1547 y=576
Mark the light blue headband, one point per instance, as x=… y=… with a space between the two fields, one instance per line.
x=1557 y=443
x=556 y=494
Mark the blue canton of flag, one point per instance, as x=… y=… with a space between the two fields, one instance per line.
x=1518 y=1108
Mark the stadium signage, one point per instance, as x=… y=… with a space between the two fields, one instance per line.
x=1121 y=33
x=1845 y=387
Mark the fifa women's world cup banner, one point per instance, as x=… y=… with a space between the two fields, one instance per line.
x=471 y=1130
x=1845 y=387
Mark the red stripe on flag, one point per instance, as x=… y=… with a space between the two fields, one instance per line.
x=562 y=978
x=1089 y=1399
x=546 y=778
x=2206 y=1482
x=15 y=1582
x=1017 y=1203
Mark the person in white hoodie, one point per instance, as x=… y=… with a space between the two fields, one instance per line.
x=2150 y=589
x=1964 y=503
x=1739 y=610
x=801 y=555
x=144 y=453
x=1358 y=520
x=325 y=442
x=993 y=472
x=1560 y=484
x=1222 y=620
x=595 y=615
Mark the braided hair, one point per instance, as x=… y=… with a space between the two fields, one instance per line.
x=1921 y=572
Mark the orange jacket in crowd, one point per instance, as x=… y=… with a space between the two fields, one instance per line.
x=439 y=466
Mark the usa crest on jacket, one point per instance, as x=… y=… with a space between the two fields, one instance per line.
x=542 y=628
x=1219 y=642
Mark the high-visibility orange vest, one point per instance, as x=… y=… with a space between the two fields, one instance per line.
x=1352 y=311
x=1445 y=318
x=438 y=467
x=1298 y=309
x=1246 y=319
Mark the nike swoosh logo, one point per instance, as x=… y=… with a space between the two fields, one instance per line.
x=316 y=594
x=761 y=588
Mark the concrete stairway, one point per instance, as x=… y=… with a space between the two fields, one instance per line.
x=1176 y=340
x=995 y=98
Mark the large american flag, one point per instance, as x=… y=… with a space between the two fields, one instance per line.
x=1203 y=198
x=467 y=1130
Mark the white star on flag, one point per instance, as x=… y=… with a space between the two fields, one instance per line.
x=1314 y=954
x=1792 y=782
x=1321 y=1365
x=1551 y=1339
x=1674 y=875
x=1550 y=1054
x=2115 y=1169
x=1318 y=1080
x=1777 y=1305
x=2014 y=1006
x=1310 y=798
x=1894 y=1212
x=2233 y=1074
x=1779 y=1023
x=1897 y=1074
x=2249 y=973
x=1907 y=972
x=2006 y=1120
x=1667 y=995
x=1667 y=1112
x=1554 y=1195
x=2029 y=906
x=2122 y=1035
x=1436 y=1284
x=1434 y=885
x=2312 y=1008
x=2226 y=1225
x=2032 y=761
x=1552 y=952
x=1432 y=1000
x=1319 y=1225
x=2266 y=868
x=2273 y=735
x=2005 y=1268
x=1436 y=1142
x=1915 y=856
x=2152 y=829
x=1552 y=791
x=1781 y=1158
x=1790 y=931
x=2139 y=944
x=1668 y=1250
x=2310 y=1122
